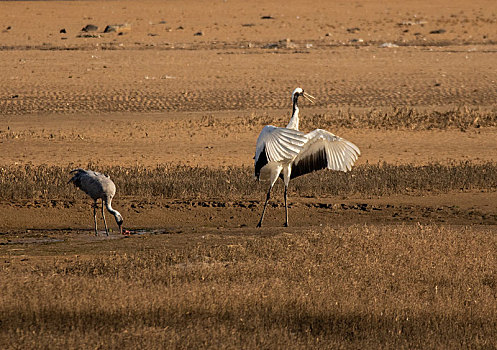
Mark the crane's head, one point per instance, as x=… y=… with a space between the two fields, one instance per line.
x=119 y=221
x=300 y=92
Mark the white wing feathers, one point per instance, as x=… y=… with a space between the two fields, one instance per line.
x=325 y=150
x=279 y=144
x=316 y=150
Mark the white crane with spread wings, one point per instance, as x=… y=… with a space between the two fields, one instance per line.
x=289 y=153
x=98 y=186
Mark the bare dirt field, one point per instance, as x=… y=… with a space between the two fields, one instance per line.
x=171 y=104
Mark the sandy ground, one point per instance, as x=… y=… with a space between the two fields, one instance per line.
x=183 y=83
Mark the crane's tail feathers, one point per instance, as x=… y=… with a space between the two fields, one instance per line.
x=76 y=170
x=75 y=179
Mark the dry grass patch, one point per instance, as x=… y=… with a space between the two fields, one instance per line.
x=462 y=118
x=347 y=287
x=185 y=182
x=398 y=118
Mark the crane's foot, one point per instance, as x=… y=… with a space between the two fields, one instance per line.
x=259 y=224
x=286 y=224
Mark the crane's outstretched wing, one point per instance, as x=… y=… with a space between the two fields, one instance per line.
x=276 y=145
x=324 y=150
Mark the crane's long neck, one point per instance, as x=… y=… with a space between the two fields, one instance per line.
x=108 y=205
x=294 y=120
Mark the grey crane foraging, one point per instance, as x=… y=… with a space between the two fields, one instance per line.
x=98 y=186
x=289 y=153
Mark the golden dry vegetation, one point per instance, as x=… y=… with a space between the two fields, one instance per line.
x=358 y=286
x=237 y=183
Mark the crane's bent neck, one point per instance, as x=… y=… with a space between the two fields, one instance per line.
x=108 y=205
x=294 y=120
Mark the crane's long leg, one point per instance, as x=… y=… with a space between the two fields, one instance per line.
x=105 y=222
x=95 y=217
x=286 y=207
x=265 y=204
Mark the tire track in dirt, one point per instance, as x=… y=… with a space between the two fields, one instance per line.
x=213 y=80
x=157 y=100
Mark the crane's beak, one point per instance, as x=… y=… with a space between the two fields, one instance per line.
x=308 y=97
x=124 y=231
